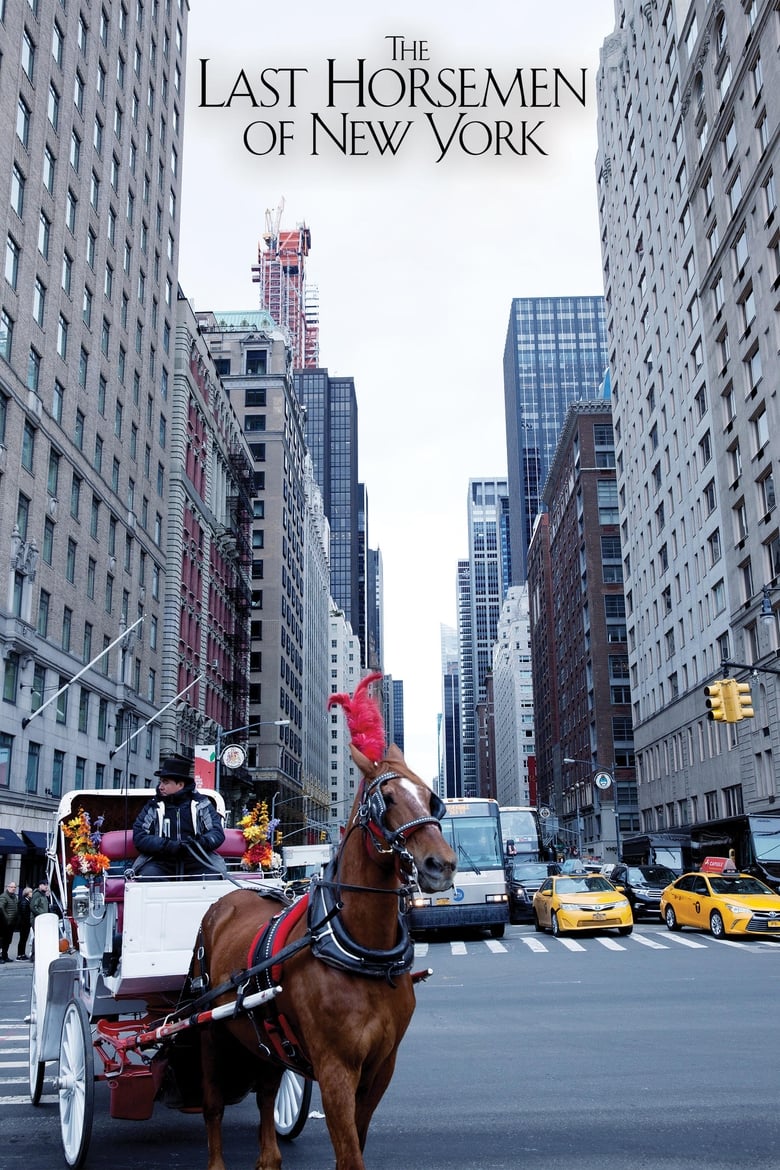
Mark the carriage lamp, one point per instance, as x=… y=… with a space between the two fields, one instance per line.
x=81 y=901
x=97 y=897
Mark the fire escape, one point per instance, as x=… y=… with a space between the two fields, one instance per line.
x=239 y=594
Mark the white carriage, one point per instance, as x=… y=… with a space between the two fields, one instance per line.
x=111 y=969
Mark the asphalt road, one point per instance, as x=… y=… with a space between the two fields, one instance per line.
x=654 y=1052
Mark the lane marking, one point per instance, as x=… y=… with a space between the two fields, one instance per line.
x=570 y=944
x=495 y=946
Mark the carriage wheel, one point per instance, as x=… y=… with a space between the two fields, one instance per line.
x=76 y=1083
x=291 y=1107
x=37 y=1066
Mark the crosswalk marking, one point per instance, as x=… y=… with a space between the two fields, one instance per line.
x=533 y=943
x=570 y=944
x=686 y=942
x=545 y=944
x=24 y=1099
x=647 y=941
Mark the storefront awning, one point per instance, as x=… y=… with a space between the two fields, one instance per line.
x=35 y=841
x=10 y=842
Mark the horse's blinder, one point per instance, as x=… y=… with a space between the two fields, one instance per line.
x=372 y=814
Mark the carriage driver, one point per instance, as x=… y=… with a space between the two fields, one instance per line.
x=179 y=829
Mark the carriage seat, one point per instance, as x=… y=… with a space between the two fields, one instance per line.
x=118 y=846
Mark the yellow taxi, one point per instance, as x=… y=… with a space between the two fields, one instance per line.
x=581 y=901
x=723 y=903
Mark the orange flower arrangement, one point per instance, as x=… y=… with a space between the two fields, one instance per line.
x=84 y=841
x=259 y=833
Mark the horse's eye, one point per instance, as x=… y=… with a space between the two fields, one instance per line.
x=388 y=798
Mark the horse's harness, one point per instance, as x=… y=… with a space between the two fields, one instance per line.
x=325 y=934
x=371 y=815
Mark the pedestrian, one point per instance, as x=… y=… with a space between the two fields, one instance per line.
x=179 y=829
x=25 y=921
x=9 y=919
x=41 y=902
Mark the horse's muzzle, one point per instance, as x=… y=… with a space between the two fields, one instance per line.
x=435 y=872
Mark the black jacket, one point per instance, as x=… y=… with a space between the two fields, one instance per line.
x=166 y=823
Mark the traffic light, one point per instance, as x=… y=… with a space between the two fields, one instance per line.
x=729 y=701
x=715 y=701
x=744 y=700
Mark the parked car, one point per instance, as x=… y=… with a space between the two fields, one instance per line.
x=585 y=901
x=723 y=903
x=523 y=879
x=643 y=886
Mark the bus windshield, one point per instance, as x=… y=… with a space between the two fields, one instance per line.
x=519 y=828
x=766 y=843
x=476 y=841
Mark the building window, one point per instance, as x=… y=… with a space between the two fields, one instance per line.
x=57 y=772
x=12 y=254
x=17 y=191
x=6 y=341
x=608 y=502
x=33 y=765
x=28 y=446
x=23 y=122
x=42 y=626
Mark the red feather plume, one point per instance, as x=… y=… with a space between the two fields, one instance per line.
x=364 y=719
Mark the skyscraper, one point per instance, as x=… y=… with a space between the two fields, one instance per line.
x=449 y=725
x=687 y=188
x=481 y=590
x=284 y=291
x=513 y=700
x=331 y=430
x=555 y=352
x=253 y=356
x=582 y=694
x=91 y=153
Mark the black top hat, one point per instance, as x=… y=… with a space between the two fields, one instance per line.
x=176 y=767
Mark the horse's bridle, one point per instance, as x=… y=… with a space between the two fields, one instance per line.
x=372 y=815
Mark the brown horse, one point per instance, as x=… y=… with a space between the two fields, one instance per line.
x=346 y=1011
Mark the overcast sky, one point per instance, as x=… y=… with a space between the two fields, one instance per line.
x=417 y=256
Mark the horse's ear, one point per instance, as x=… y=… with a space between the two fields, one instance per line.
x=363 y=762
x=395 y=754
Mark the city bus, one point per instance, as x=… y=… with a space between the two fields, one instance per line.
x=478 y=900
x=666 y=847
x=752 y=840
x=520 y=830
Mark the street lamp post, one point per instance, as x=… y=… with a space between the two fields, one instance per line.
x=601 y=779
x=221 y=735
x=567 y=760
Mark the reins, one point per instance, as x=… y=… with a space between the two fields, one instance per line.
x=370 y=818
